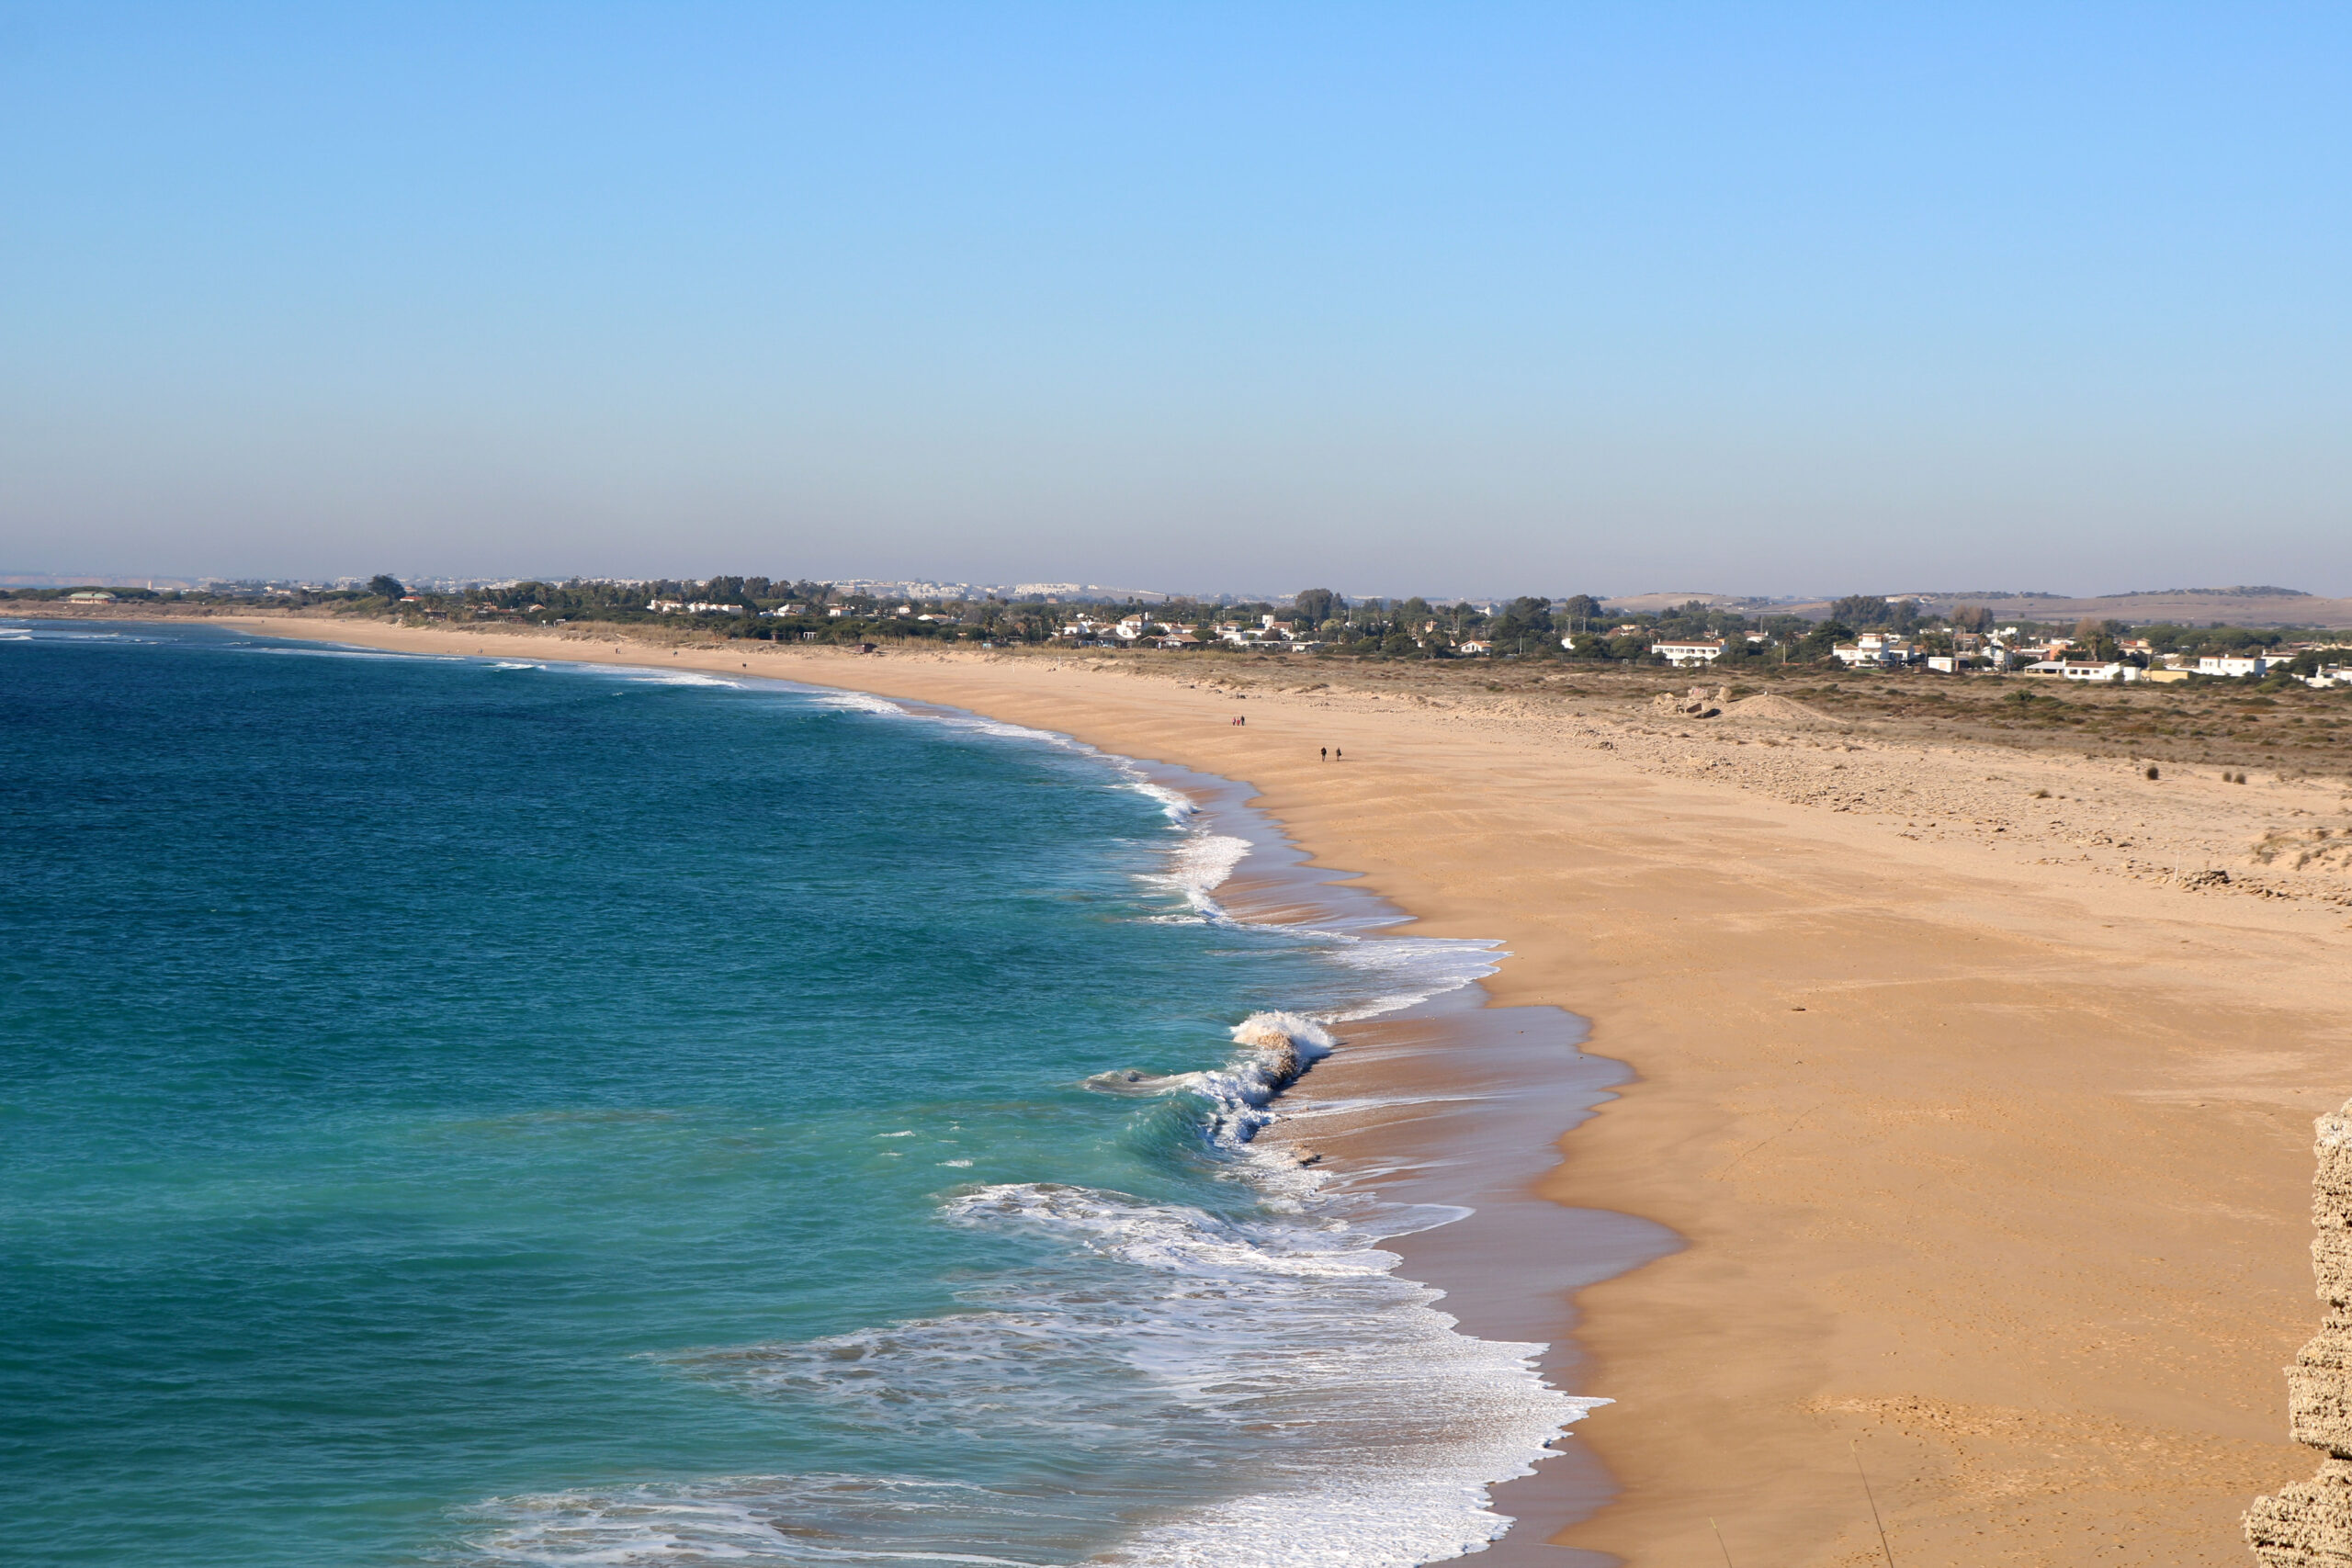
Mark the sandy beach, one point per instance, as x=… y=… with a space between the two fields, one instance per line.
x=1982 y=1109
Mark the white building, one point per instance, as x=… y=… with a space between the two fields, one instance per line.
x=1683 y=654
x=2104 y=673
x=1878 y=651
x=2233 y=666
x=1268 y=633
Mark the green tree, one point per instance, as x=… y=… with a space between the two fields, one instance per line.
x=1521 y=622
x=1819 y=642
x=386 y=587
x=1316 y=605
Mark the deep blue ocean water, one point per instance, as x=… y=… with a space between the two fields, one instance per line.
x=467 y=1111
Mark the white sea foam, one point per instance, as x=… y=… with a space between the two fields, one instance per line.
x=1175 y=803
x=1199 y=865
x=859 y=702
x=1166 y=1344
x=681 y=678
x=330 y=651
x=1278 y=1047
x=1420 y=967
x=1166 y=1349
x=787 y=1519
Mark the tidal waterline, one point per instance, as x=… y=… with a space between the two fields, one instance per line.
x=478 y=1112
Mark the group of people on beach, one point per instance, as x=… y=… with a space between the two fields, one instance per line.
x=1331 y=753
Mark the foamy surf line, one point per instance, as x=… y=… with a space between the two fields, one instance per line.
x=1214 y=849
x=1368 y=1428
x=1430 y=1499
x=1280 y=1343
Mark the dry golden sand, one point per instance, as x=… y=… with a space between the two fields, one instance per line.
x=1989 y=1137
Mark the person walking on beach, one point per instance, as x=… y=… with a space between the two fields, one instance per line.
x=1327 y=753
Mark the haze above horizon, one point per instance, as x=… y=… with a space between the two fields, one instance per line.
x=1485 y=298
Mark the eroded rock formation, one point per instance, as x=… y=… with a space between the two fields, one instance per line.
x=2309 y=1523
x=1699 y=704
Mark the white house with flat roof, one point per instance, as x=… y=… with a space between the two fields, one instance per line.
x=1683 y=654
x=2106 y=672
x=1876 y=649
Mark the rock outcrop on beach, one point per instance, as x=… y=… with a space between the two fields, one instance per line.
x=2309 y=1523
x=1699 y=704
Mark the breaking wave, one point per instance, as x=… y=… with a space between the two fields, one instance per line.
x=1192 y=1388
x=1147 y=1345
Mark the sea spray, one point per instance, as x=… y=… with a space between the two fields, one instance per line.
x=1277 y=1047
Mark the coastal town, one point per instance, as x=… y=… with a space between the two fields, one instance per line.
x=1863 y=633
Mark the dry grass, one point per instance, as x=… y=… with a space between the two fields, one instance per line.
x=2297 y=732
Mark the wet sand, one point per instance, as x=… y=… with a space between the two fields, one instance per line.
x=1449 y=1113
x=1993 y=1171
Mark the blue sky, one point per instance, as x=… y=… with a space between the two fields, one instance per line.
x=1449 y=297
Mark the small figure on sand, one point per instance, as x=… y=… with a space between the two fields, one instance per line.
x=1327 y=753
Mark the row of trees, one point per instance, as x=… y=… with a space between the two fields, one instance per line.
x=1528 y=626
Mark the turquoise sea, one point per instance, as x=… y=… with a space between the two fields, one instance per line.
x=473 y=1111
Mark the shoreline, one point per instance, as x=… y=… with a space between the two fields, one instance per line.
x=1449 y=1102
x=1994 y=1166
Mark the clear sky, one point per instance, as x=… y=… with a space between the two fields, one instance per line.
x=1443 y=297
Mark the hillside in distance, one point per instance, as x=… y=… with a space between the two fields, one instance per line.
x=2242 y=606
